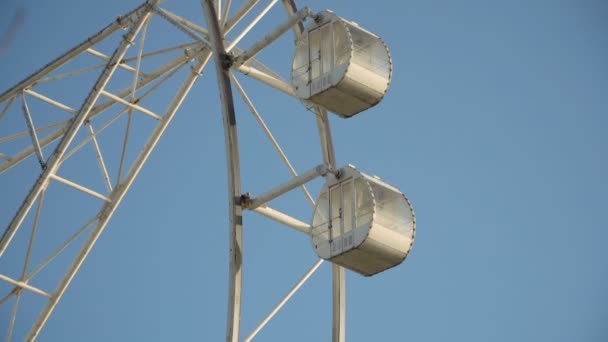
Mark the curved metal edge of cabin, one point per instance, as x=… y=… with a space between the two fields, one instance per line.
x=381 y=247
x=350 y=86
x=374 y=250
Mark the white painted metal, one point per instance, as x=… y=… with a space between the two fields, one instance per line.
x=185 y=23
x=225 y=12
x=131 y=105
x=327 y=150
x=24 y=285
x=235 y=217
x=79 y=187
x=270 y=137
x=239 y=15
x=51 y=101
x=165 y=71
x=283 y=218
x=112 y=201
x=94 y=39
x=180 y=24
x=53 y=162
x=251 y=25
x=32 y=131
x=99 y=157
x=102 y=56
x=268 y=79
x=117 y=196
x=272 y=36
x=320 y=170
x=205 y=39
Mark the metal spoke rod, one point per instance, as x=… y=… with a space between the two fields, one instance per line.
x=295 y=182
x=272 y=36
x=239 y=15
x=251 y=25
x=180 y=24
x=283 y=301
x=51 y=101
x=24 y=285
x=283 y=218
x=105 y=57
x=270 y=137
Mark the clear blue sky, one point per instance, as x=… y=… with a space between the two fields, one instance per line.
x=494 y=126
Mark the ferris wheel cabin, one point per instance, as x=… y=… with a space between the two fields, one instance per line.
x=340 y=66
x=362 y=223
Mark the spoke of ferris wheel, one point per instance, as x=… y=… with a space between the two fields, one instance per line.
x=285 y=299
x=130 y=105
x=61 y=60
x=218 y=8
x=168 y=70
x=268 y=79
x=117 y=195
x=38 y=130
x=272 y=36
x=106 y=58
x=179 y=23
x=184 y=23
x=282 y=218
x=126 y=60
x=251 y=25
x=243 y=57
x=270 y=137
x=225 y=12
x=251 y=67
x=239 y=15
x=50 y=101
x=318 y=171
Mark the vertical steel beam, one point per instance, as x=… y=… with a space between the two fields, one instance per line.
x=338 y=276
x=234 y=182
x=327 y=146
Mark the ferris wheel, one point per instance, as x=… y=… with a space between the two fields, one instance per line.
x=90 y=142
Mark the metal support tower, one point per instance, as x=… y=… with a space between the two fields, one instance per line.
x=129 y=90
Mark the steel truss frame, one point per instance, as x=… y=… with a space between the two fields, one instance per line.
x=61 y=138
